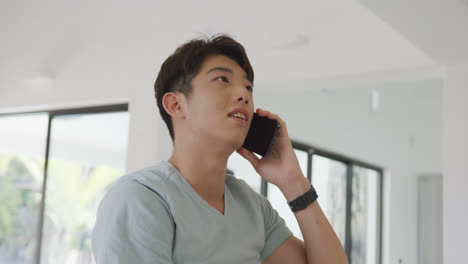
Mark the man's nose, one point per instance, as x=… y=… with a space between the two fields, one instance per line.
x=242 y=99
x=242 y=95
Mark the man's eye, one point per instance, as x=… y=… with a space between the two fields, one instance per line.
x=222 y=78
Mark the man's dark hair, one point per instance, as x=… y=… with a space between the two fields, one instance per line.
x=179 y=69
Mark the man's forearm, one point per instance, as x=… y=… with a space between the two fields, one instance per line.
x=321 y=243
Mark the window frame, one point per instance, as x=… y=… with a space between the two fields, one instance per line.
x=350 y=164
x=113 y=108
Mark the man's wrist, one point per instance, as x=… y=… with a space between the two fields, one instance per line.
x=292 y=190
x=304 y=200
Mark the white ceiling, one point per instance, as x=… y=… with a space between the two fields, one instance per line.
x=438 y=27
x=285 y=40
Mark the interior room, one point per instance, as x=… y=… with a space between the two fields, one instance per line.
x=373 y=94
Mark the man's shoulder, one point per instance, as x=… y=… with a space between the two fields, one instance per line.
x=154 y=178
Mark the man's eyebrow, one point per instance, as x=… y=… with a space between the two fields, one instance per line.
x=226 y=70
x=220 y=69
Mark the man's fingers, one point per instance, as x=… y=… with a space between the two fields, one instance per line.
x=248 y=155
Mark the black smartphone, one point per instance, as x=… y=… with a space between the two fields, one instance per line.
x=262 y=134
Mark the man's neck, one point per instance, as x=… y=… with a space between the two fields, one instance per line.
x=204 y=168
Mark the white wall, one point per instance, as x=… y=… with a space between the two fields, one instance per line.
x=455 y=163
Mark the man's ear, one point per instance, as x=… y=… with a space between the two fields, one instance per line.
x=173 y=104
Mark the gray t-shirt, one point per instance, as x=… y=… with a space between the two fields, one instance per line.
x=154 y=216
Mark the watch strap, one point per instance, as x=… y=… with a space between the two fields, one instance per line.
x=304 y=200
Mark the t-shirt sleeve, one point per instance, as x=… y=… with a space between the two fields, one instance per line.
x=133 y=225
x=276 y=231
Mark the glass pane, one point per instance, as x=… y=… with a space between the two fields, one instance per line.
x=329 y=180
x=22 y=152
x=364 y=207
x=243 y=170
x=87 y=153
x=279 y=202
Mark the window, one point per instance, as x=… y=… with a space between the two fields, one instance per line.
x=350 y=194
x=22 y=152
x=77 y=155
x=364 y=215
x=329 y=180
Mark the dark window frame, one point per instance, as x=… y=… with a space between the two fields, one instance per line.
x=113 y=108
x=350 y=164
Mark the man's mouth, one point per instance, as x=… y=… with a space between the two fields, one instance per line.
x=239 y=115
x=239 y=119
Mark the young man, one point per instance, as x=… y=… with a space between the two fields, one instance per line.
x=187 y=209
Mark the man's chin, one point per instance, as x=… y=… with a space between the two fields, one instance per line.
x=236 y=141
x=237 y=145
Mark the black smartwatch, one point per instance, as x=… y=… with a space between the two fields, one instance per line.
x=304 y=200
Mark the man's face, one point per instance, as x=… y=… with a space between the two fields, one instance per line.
x=219 y=88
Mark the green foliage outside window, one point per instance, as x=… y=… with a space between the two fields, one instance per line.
x=72 y=196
